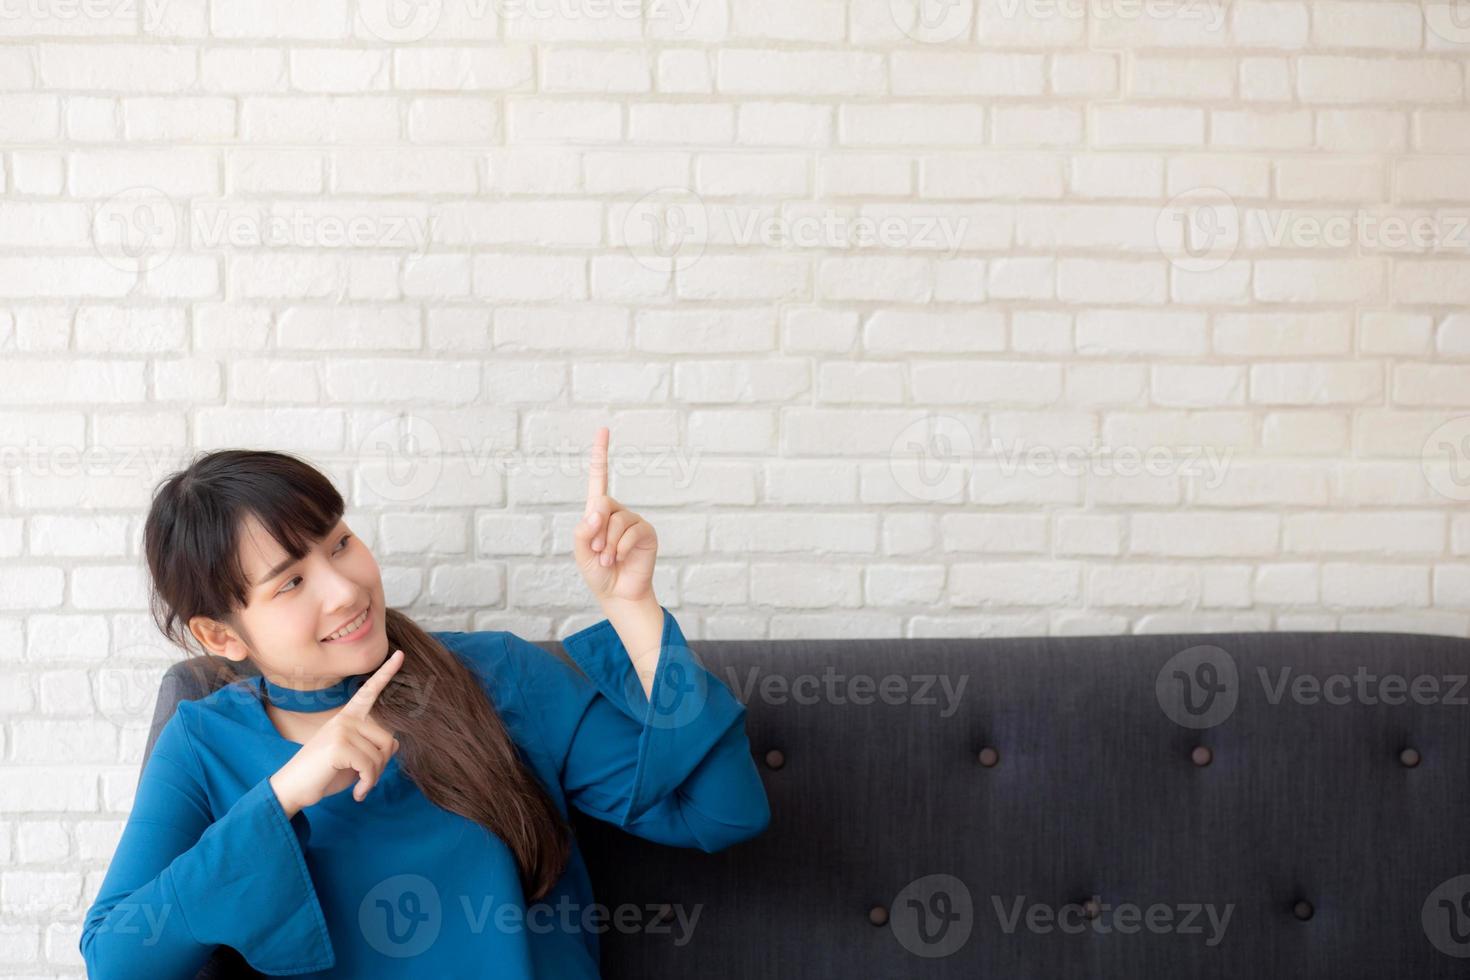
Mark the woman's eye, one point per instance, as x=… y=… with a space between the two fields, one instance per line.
x=340 y=548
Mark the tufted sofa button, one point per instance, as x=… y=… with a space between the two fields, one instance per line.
x=1201 y=756
x=989 y=757
x=775 y=759
x=1303 y=910
x=878 y=915
x=1091 y=908
x=1409 y=757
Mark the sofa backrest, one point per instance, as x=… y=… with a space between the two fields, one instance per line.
x=1201 y=805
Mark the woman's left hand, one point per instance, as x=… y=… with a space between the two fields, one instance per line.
x=614 y=547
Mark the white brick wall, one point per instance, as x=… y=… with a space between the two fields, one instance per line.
x=1130 y=344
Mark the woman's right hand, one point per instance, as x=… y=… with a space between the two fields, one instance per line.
x=352 y=745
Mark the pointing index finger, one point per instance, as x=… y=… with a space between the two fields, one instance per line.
x=597 y=477
x=367 y=695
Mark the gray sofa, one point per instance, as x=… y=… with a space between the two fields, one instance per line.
x=1285 y=804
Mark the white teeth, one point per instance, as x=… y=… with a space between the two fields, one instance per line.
x=356 y=624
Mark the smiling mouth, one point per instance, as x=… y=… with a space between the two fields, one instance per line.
x=351 y=628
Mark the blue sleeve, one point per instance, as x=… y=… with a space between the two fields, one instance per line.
x=674 y=767
x=181 y=884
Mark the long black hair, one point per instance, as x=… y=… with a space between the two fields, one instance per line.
x=452 y=744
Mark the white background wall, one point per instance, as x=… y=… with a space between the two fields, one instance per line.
x=305 y=226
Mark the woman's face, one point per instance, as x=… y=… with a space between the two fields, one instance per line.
x=293 y=607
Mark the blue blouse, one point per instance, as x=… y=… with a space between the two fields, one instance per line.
x=395 y=886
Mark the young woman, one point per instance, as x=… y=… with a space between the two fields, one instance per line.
x=463 y=751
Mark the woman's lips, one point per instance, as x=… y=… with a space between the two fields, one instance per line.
x=361 y=632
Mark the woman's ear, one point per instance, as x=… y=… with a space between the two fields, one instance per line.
x=217 y=638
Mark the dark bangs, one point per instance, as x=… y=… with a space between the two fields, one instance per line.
x=192 y=535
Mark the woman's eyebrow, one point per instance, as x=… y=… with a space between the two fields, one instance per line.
x=287 y=563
